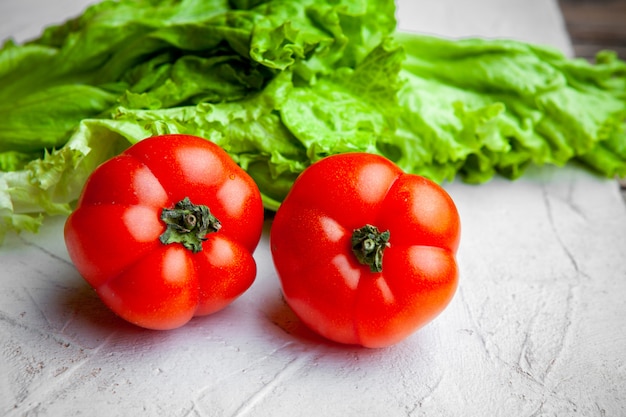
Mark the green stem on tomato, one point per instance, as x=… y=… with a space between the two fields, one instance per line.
x=368 y=245
x=188 y=224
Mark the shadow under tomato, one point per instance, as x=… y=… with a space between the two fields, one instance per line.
x=89 y=313
x=90 y=322
x=282 y=316
x=327 y=354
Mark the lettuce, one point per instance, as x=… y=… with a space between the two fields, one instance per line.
x=280 y=85
x=491 y=107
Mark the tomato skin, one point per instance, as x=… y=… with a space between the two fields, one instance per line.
x=321 y=278
x=113 y=235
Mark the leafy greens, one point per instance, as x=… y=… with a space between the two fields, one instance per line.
x=279 y=85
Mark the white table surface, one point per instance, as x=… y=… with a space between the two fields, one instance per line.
x=535 y=329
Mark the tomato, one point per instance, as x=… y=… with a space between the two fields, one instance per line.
x=165 y=231
x=365 y=253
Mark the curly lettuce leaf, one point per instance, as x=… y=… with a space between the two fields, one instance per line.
x=479 y=108
x=280 y=85
x=124 y=70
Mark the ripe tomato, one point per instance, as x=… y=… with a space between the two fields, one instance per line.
x=166 y=230
x=365 y=253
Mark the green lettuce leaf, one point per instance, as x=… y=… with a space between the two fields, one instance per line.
x=479 y=107
x=124 y=70
x=280 y=84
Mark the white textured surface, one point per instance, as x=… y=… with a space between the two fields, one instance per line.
x=535 y=329
x=538 y=21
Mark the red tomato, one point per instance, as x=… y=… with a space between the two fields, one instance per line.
x=166 y=230
x=365 y=253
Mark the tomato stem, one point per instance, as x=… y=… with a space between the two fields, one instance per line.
x=368 y=245
x=188 y=224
